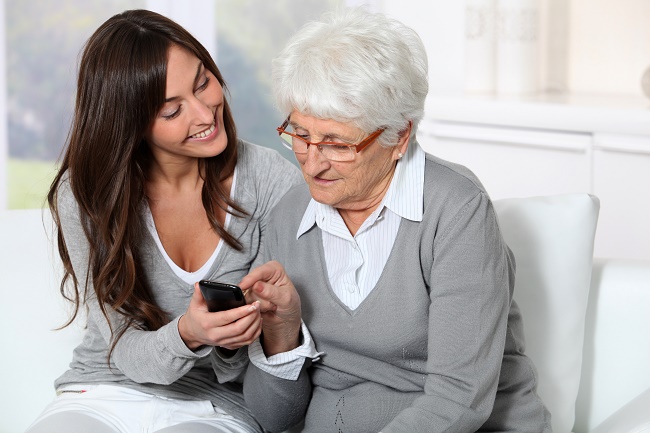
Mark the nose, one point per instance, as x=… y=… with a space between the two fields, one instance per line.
x=202 y=112
x=315 y=162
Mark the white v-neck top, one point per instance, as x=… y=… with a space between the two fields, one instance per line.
x=188 y=277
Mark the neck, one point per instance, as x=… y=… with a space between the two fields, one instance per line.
x=355 y=214
x=174 y=176
x=354 y=219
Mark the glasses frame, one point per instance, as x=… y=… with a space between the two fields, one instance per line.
x=358 y=147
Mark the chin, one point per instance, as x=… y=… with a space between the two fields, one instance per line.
x=218 y=147
x=323 y=198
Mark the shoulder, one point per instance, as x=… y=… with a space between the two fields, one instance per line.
x=298 y=196
x=448 y=175
x=252 y=155
x=450 y=188
x=263 y=175
x=261 y=164
x=291 y=208
x=445 y=180
x=65 y=199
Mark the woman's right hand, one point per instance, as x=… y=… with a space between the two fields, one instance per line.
x=229 y=329
x=280 y=306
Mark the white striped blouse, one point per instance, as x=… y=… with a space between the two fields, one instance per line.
x=355 y=263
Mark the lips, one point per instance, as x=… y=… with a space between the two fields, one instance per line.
x=320 y=180
x=205 y=133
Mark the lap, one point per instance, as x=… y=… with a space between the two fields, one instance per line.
x=70 y=422
x=115 y=409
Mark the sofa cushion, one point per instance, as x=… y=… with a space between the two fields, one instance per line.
x=553 y=238
x=30 y=311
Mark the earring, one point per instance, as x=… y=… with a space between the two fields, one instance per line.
x=400 y=155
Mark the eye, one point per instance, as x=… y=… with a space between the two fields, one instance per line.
x=172 y=115
x=203 y=85
x=301 y=133
x=339 y=148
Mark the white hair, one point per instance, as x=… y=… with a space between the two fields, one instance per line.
x=357 y=67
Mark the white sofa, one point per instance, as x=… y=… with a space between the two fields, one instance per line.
x=590 y=341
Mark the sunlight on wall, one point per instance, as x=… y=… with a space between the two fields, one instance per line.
x=609 y=45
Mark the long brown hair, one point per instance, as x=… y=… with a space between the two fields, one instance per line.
x=120 y=90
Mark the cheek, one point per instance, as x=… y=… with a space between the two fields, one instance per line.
x=219 y=115
x=152 y=134
x=158 y=134
x=373 y=171
x=166 y=133
x=214 y=93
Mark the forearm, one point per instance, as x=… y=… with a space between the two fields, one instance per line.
x=420 y=418
x=468 y=320
x=151 y=356
x=277 y=403
x=281 y=340
x=229 y=367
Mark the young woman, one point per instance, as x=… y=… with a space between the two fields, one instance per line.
x=155 y=193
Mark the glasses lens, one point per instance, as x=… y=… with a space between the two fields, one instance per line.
x=293 y=143
x=337 y=153
x=344 y=152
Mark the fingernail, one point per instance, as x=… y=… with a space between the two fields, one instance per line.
x=254 y=306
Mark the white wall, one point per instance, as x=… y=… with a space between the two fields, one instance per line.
x=441 y=25
x=202 y=25
x=609 y=45
x=587 y=46
x=594 y=50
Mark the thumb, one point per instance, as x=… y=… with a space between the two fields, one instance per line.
x=198 y=301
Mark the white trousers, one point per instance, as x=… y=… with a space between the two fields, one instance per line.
x=116 y=409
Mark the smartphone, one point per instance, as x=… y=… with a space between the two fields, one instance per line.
x=221 y=296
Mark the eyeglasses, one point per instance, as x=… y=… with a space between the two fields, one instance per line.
x=334 y=151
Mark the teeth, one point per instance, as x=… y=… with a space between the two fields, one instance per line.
x=205 y=133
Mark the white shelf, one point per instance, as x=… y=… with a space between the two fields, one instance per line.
x=611 y=114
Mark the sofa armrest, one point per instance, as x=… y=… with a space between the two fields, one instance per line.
x=634 y=417
x=616 y=349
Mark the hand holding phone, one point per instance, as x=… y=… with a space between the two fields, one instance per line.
x=221 y=296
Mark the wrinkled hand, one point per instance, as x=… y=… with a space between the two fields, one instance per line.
x=280 y=306
x=229 y=329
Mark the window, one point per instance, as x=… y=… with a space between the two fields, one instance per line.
x=43 y=40
x=42 y=43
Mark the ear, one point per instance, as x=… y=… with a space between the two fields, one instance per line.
x=404 y=137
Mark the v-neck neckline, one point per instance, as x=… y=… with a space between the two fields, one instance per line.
x=376 y=288
x=218 y=254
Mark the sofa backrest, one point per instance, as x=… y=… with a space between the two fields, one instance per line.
x=553 y=241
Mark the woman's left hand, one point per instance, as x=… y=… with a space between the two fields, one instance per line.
x=230 y=329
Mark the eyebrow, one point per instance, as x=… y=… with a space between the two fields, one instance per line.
x=326 y=137
x=196 y=78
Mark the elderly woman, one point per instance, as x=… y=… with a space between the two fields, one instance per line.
x=392 y=258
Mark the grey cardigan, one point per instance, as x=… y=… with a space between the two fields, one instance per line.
x=437 y=346
x=158 y=362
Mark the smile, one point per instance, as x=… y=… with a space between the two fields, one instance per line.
x=205 y=133
x=321 y=181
